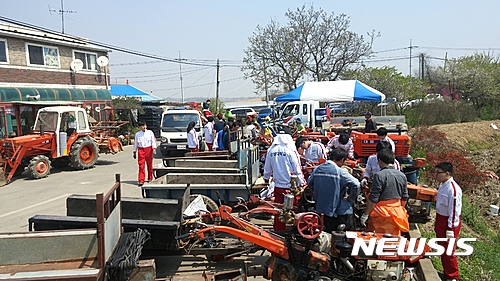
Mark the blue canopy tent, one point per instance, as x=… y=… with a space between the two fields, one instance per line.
x=342 y=90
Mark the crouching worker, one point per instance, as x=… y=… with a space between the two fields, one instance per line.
x=331 y=184
x=386 y=203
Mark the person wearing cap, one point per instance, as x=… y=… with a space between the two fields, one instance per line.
x=144 y=149
x=313 y=150
x=228 y=114
x=382 y=136
x=300 y=128
x=370 y=125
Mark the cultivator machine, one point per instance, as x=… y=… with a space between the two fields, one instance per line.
x=304 y=252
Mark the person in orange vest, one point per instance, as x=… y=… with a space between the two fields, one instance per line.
x=386 y=202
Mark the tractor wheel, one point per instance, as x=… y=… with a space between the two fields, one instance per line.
x=84 y=153
x=284 y=272
x=61 y=163
x=211 y=205
x=39 y=167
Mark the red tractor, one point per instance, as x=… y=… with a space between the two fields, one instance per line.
x=61 y=137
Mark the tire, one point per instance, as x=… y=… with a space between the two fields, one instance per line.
x=61 y=163
x=211 y=205
x=39 y=167
x=84 y=153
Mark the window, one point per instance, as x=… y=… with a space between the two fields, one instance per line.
x=290 y=110
x=304 y=109
x=3 y=51
x=42 y=55
x=89 y=60
x=81 y=121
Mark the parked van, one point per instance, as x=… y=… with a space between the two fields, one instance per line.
x=173 y=130
x=303 y=109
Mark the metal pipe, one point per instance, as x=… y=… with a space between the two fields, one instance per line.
x=347 y=264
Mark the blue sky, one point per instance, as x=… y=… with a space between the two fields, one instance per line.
x=207 y=30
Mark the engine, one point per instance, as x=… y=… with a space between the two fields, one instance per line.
x=381 y=270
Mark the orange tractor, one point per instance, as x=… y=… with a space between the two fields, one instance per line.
x=61 y=137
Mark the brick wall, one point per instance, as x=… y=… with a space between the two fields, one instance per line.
x=18 y=71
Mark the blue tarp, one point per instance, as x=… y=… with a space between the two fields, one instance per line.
x=130 y=91
x=331 y=91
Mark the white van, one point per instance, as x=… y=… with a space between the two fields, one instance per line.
x=173 y=130
x=303 y=109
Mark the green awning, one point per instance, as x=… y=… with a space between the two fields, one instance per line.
x=11 y=94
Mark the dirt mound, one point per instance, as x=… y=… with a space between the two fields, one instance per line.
x=472 y=135
x=482 y=145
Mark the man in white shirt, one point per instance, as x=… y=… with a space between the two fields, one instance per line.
x=313 y=150
x=145 y=146
x=448 y=210
x=382 y=136
x=282 y=160
x=208 y=129
x=344 y=142
x=372 y=166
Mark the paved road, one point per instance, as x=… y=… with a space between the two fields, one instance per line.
x=23 y=198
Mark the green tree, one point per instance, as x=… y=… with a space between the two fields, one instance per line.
x=474 y=78
x=313 y=45
x=124 y=108
x=392 y=83
x=216 y=110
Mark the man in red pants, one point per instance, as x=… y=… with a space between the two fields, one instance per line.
x=282 y=160
x=448 y=209
x=145 y=146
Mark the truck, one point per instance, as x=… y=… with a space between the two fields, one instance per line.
x=173 y=135
x=303 y=109
x=61 y=137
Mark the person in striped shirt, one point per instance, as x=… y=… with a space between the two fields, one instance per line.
x=448 y=210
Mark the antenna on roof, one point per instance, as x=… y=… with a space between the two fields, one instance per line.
x=61 y=12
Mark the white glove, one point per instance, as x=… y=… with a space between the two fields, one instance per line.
x=364 y=182
x=450 y=234
x=363 y=219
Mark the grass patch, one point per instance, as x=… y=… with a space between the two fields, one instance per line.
x=475 y=146
x=483 y=264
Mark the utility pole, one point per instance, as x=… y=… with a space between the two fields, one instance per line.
x=61 y=12
x=217 y=88
x=180 y=76
x=422 y=65
x=411 y=48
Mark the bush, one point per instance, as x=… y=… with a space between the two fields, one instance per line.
x=432 y=144
x=465 y=173
x=441 y=112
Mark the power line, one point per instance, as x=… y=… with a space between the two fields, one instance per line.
x=200 y=85
x=461 y=49
x=161 y=75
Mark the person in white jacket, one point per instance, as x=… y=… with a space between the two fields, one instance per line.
x=448 y=210
x=282 y=160
x=192 y=137
x=209 y=132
